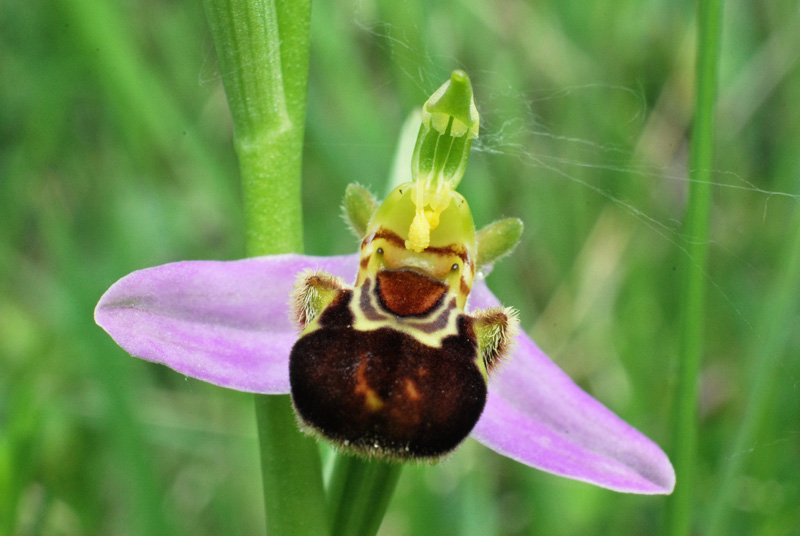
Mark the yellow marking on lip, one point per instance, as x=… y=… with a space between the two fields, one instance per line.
x=451 y=263
x=411 y=390
x=373 y=401
x=408 y=325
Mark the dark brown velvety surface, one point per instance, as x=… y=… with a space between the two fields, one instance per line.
x=384 y=392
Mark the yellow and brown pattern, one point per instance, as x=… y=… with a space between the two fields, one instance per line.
x=393 y=366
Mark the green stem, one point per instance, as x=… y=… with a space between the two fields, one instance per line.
x=359 y=494
x=696 y=230
x=262 y=50
x=291 y=471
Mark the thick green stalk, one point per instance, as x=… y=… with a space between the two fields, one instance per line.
x=291 y=471
x=693 y=290
x=359 y=494
x=262 y=50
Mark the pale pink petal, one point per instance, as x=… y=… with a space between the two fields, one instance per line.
x=226 y=323
x=537 y=415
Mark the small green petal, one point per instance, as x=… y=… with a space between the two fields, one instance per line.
x=359 y=206
x=497 y=240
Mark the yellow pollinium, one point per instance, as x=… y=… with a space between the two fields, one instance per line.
x=400 y=236
x=429 y=204
x=450 y=122
x=426 y=218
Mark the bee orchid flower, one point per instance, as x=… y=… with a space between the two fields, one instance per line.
x=403 y=363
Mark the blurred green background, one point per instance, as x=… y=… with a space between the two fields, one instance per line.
x=115 y=155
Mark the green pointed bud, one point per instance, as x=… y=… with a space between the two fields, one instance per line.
x=453 y=101
x=450 y=122
x=359 y=206
x=497 y=240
